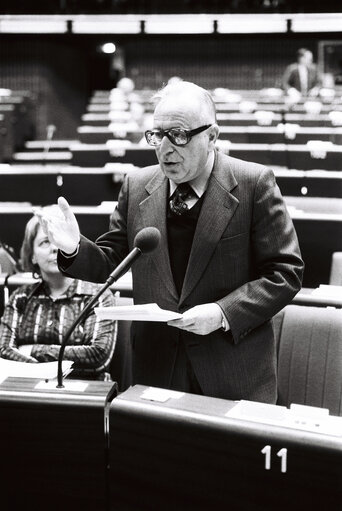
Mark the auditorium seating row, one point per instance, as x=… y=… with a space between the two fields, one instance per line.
x=237 y=134
x=112 y=131
x=319 y=155
x=92 y=185
x=318 y=225
x=89 y=173
x=235 y=119
x=242 y=107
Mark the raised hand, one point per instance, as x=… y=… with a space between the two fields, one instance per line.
x=62 y=229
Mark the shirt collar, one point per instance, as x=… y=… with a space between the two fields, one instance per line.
x=77 y=287
x=199 y=184
x=71 y=291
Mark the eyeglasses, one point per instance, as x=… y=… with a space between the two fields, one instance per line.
x=177 y=136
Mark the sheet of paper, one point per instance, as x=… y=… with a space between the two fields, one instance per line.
x=160 y=395
x=329 y=291
x=74 y=386
x=46 y=370
x=146 y=312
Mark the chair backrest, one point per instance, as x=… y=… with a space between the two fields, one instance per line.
x=8 y=264
x=121 y=364
x=310 y=357
x=336 y=269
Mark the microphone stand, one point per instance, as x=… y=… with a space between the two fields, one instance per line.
x=120 y=270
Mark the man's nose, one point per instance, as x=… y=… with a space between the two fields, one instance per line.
x=166 y=145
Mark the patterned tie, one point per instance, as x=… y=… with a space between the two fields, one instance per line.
x=177 y=202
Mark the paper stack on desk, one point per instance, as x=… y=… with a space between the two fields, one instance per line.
x=146 y=312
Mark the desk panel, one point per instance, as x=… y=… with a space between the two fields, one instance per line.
x=186 y=454
x=310 y=184
x=79 y=186
x=53 y=452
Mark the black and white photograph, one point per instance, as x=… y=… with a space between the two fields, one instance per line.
x=171 y=255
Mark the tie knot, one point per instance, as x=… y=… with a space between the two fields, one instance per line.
x=183 y=191
x=177 y=202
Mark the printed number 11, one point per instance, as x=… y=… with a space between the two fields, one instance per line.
x=281 y=454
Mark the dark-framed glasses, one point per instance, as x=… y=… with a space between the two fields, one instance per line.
x=177 y=136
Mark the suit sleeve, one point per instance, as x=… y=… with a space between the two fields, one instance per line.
x=96 y=260
x=276 y=259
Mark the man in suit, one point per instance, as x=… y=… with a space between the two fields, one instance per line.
x=228 y=259
x=303 y=75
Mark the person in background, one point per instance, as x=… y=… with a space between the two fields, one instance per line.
x=302 y=76
x=228 y=259
x=38 y=315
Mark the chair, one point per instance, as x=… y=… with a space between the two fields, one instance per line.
x=121 y=365
x=8 y=261
x=336 y=269
x=309 y=343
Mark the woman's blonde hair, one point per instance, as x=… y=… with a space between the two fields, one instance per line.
x=31 y=229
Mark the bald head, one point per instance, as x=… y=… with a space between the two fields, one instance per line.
x=191 y=95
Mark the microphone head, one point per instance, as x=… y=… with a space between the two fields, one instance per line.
x=147 y=239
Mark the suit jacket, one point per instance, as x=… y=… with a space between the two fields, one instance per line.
x=244 y=256
x=291 y=77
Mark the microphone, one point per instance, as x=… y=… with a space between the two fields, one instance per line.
x=145 y=241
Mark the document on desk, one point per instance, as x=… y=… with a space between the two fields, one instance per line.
x=328 y=291
x=146 y=312
x=46 y=370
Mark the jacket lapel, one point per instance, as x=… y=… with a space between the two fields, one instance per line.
x=217 y=210
x=153 y=214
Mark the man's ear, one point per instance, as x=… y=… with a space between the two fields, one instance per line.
x=214 y=132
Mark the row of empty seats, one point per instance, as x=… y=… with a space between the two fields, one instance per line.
x=90 y=173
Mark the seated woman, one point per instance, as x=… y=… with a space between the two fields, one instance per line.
x=38 y=315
